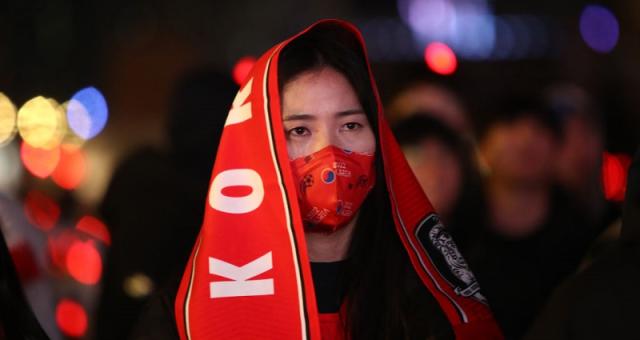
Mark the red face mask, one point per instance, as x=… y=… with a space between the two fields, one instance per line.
x=332 y=183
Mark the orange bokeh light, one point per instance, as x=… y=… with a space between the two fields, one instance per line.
x=242 y=68
x=95 y=228
x=84 y=262
x=71 y=169
x=40 y=162
x=440 y=58
x=41 y=211
x=71 y=318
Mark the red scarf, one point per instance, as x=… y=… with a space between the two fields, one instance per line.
x=249 y=277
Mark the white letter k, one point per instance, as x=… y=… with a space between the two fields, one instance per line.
x=241 y=285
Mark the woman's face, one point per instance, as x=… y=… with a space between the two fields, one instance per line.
x=439 y=172
x=321 y=108
x=522 y=151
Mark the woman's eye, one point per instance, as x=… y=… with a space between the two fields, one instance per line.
x=298 y=131
x=352 y=126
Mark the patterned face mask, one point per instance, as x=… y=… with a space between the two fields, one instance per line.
x=332 y=183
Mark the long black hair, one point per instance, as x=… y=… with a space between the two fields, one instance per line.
x=385 y=298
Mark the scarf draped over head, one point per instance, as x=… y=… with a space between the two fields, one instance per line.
x=248 y=276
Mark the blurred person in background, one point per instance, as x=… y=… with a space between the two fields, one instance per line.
x=579 y=162
x=431 y=99
x=153 y=204
x=445 y=165
x=601 y=301
x=519 y=148
x=532 y=235
x=17 y=320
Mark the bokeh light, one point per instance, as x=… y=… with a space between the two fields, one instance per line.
x=474 y=36
x=138 y=286
x=41 y=210
x=40 y=123
x=468 y=27
x=242 y=68
x=95 y=228
x=599 y=28
x=87 y=112
x=84 y=262
x=70 y=137
x=39 y=162
x=440 y=58
x=71 y=169
x=7 y=120
x=614 y=176
x=505 y=39
x=431 y=18
x=58 y=244
x=71 y=318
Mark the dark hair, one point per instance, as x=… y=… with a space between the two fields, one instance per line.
x=422 y=125
x=329 y=48
x=517 y=107
x=385 y=298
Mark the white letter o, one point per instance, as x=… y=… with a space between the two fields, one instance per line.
x=236 y=205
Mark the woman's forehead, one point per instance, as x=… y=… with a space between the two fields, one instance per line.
x=323 y=91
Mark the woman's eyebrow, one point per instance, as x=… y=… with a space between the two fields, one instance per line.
x=298 y=116
x=349 y=112
x=308 y=117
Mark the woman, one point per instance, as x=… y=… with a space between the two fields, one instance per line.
x=315 y=227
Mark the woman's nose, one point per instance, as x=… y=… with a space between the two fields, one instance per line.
x=322 y=139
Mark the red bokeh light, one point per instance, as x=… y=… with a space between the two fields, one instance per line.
x=71 y=318
x=242 y=68
x=614 y=175
x=41 y=211
x=39 y=162
x=95 y=228
x=84 y=262
x=440 y=58
x=71 y=168
x=57 y=246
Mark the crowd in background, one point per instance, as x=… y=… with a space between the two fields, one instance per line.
x=520 y=192
x=523 y=184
